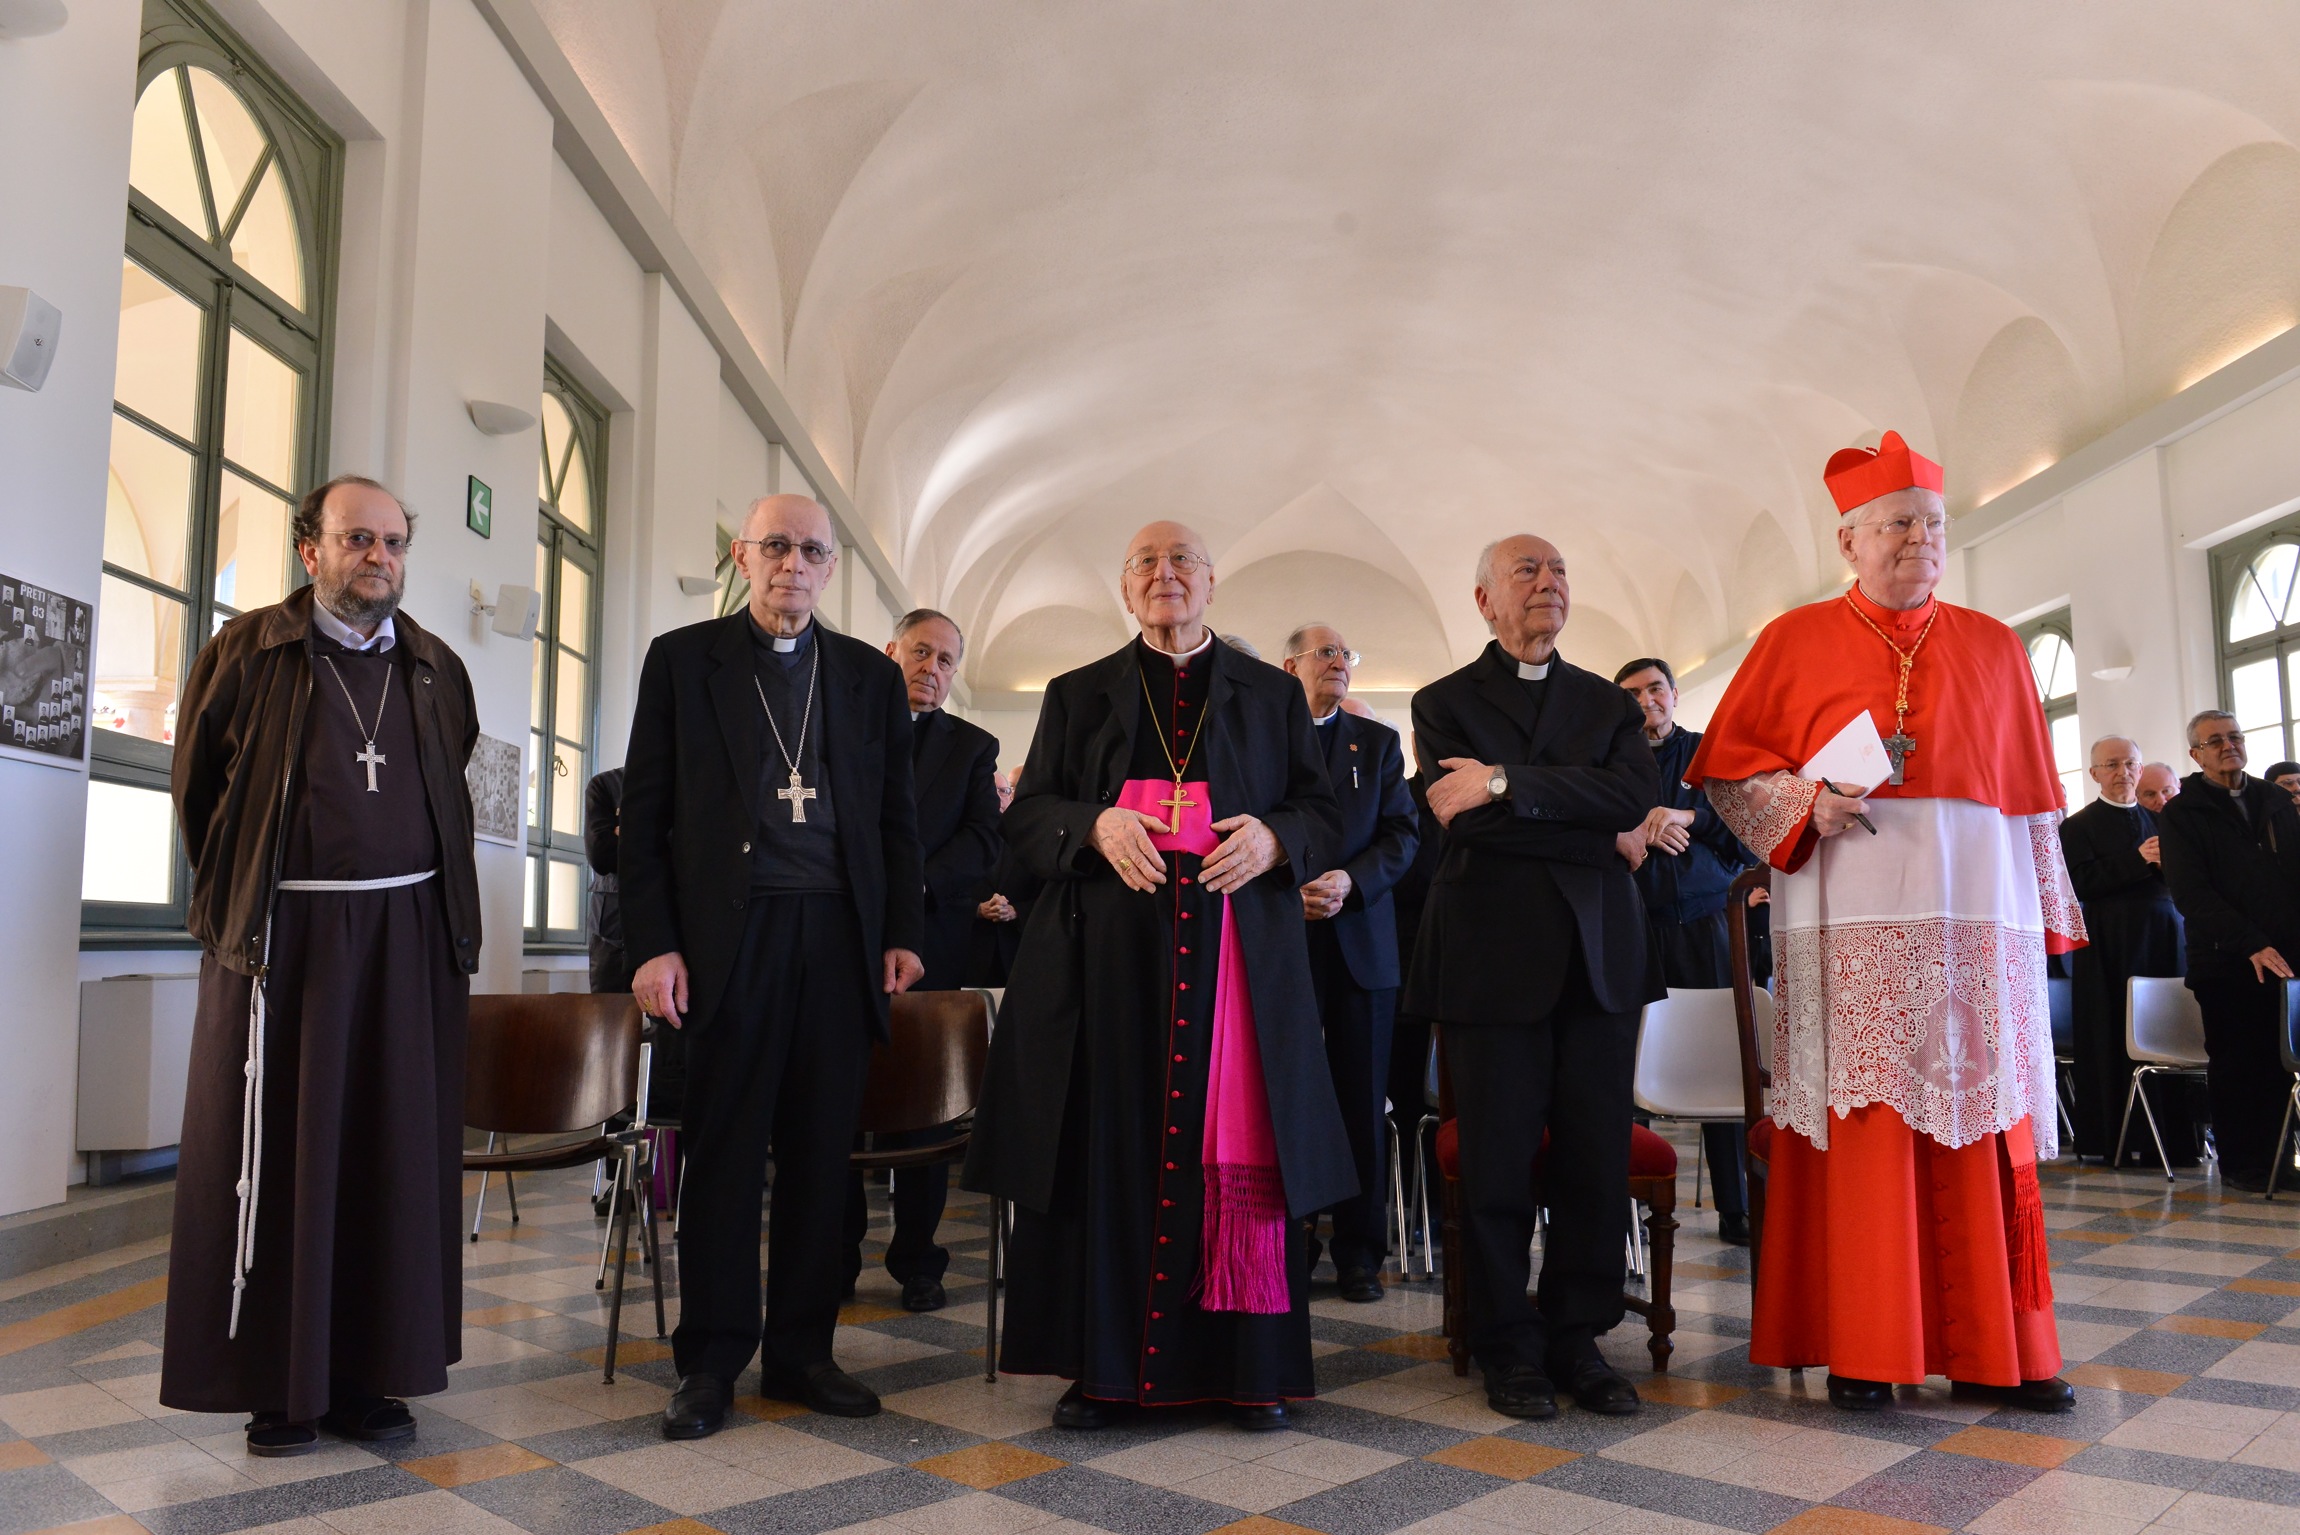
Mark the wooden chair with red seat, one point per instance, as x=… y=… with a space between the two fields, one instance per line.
x=1755 y=1078
x=929 y=1074
x=558 y=1064
x=1652 y=1183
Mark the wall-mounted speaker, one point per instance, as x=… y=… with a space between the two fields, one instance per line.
x=29 y=326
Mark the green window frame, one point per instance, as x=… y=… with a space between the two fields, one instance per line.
x=563 y=693
x=2256 y=631
x=219 y=419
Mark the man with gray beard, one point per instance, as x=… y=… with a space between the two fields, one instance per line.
x=318 y=777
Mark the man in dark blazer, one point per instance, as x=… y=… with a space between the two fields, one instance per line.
x=1174 y=803
x=1534 y=963
x=772 y=902
x=952 y=764
x=2231 y=849
x=1353 y=938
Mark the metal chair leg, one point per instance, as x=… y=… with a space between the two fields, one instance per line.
x=990 y=1291
x=654 y=1247
x=607 y=1243
x=480 y=1208
x=2283 y=1142
x=2149 y=1113
x=620 y=1228
x=2124 y=1125
x=511 y=1193
x=1425 y=1150
x=1700 y=1144
x=1398 y=1196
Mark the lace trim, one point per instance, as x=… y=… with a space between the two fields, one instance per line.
x=2055 y=894
x=1944 y=1021
x=1763 y=811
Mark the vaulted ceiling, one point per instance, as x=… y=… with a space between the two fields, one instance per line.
x=1356 y=286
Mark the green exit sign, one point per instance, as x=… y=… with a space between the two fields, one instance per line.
x=479 y=507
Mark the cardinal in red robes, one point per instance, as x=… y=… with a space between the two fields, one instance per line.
x=1886 y=754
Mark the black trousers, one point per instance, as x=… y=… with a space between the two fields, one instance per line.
x=1568 y=1073
x=1698 y=954
x=918 y=1197
x=781 y=1069
x=1357 y=1024
x=2245 y=1079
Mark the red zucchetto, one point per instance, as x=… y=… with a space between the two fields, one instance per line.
x=1856 y=476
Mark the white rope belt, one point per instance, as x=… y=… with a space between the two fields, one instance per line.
x=252 y=1096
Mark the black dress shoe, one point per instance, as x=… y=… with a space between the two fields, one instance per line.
x=1595 y=1385
x=1856 y=1395
x=698 y=1409
x=1361 y=1285
x=2052 y=1394
x=920 y=1293
x=370 y=1418
x=1079 y=1411
x=1733 y=1229
x=1261 y=1418
x=823 y=1387
x=272 y=1436
x=1520 y=1391
x=2244 y=1183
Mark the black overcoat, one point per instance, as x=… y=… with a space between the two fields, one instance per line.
x=1261 y=759
x=1381 y=832
x=2133 y=929
x=957 y=834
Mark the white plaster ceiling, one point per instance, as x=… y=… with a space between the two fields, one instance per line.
x=1356 y=287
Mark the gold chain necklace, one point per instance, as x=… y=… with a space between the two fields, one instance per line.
x=1180 y=799
x=1900 y=744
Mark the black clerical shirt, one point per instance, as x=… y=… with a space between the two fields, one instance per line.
x=793 y=857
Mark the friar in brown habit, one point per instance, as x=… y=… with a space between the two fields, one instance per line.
x=320 y=748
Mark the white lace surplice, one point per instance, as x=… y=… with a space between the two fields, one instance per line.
x=1909 y=966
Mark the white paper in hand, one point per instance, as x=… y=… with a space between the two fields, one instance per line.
x=1854 y=757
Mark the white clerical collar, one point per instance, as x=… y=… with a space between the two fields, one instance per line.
x=1195 y=650
x=1531 y=671
x=2121 y=804
x=1328 y=715
x=386 y=636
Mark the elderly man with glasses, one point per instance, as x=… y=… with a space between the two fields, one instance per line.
x=2231 y=850
x=1157 y=1102
x=1354 y=938
x=773 y=899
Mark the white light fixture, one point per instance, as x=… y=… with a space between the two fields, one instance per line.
x=516 y=609
x=493 y=417
x=2113 y=673
x=29 y=326
x=697 y=586
x=32 y=18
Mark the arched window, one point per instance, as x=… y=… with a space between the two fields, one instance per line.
x=2258 y=581
x=2052 y=661
x=218 y=411
x=563 y=689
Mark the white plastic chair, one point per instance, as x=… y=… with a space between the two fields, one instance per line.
x=2164 y=1035
x=1689 y=1059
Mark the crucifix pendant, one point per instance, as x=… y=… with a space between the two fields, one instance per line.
x=1898 y=746
x=374 y=759
x=798 y=794
x=1176 y=804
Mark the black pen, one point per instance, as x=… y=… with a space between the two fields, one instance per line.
x=1870 y=825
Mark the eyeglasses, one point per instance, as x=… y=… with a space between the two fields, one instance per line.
x=1898 y=527
x=2215 y=743
x=778 y=550
x=360 y=540
x=1330 y=654
x=1184 y=562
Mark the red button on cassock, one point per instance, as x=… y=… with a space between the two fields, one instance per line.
x=1173 y=1129
x=1175 y=1094
x=1169 y=1167
x=1151 y=1350
x=1181 y=1058
x=1157 y=1316
x=1161 y=1278
x=1163 y=1241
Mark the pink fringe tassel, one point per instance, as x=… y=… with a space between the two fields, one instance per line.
x=1242 y=1257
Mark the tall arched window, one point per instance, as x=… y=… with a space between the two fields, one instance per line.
x=218 y=412
x=564 y=686
x=2052 y=661
x=2258 y=591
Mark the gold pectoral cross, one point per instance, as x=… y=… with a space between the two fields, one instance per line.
x=1177 y=804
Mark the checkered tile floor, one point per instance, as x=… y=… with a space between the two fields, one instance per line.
x=2180 y=1314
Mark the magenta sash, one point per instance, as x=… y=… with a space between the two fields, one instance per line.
x=1242 y=1245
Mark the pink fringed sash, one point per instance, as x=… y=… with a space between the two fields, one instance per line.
x=1242 y=1246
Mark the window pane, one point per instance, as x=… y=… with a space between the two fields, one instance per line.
x=229 y=138
x=566 y=790
x=266 y=244
x=2258 y=702
x=569 y=717
x=543 y=566
x=160 y=155
x=564 y=906
x=534 y=772
x=147 y=504
x=260 y=395
x=2054 y=668
x=2068 y=759
x=2264 y=600
x=527 y=905
x=139 y=646
x=251 y=545
x=157 y=374
x=575 y=491
x=574 y=605
x=535 y=693
x=130 y=853
x=557 y=429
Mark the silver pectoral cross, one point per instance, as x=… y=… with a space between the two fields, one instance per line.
x=374 y=759
x=798 y=794
x=1898 y=746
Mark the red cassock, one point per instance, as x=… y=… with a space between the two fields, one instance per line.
x=1912 y=1051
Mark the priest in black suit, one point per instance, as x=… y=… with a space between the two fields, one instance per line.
x=1353 y=938
x=772 y=901
x=2114 y=866
x=1534 y=962
x=952 y=764
x=1157 y=1103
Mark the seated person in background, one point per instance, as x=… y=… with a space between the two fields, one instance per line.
x=999 y=917
x=2285 y=776
x=2158 y=784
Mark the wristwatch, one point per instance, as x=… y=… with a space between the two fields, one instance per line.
x=1498 y=784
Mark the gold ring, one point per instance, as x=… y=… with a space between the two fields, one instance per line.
x=1125 y=863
